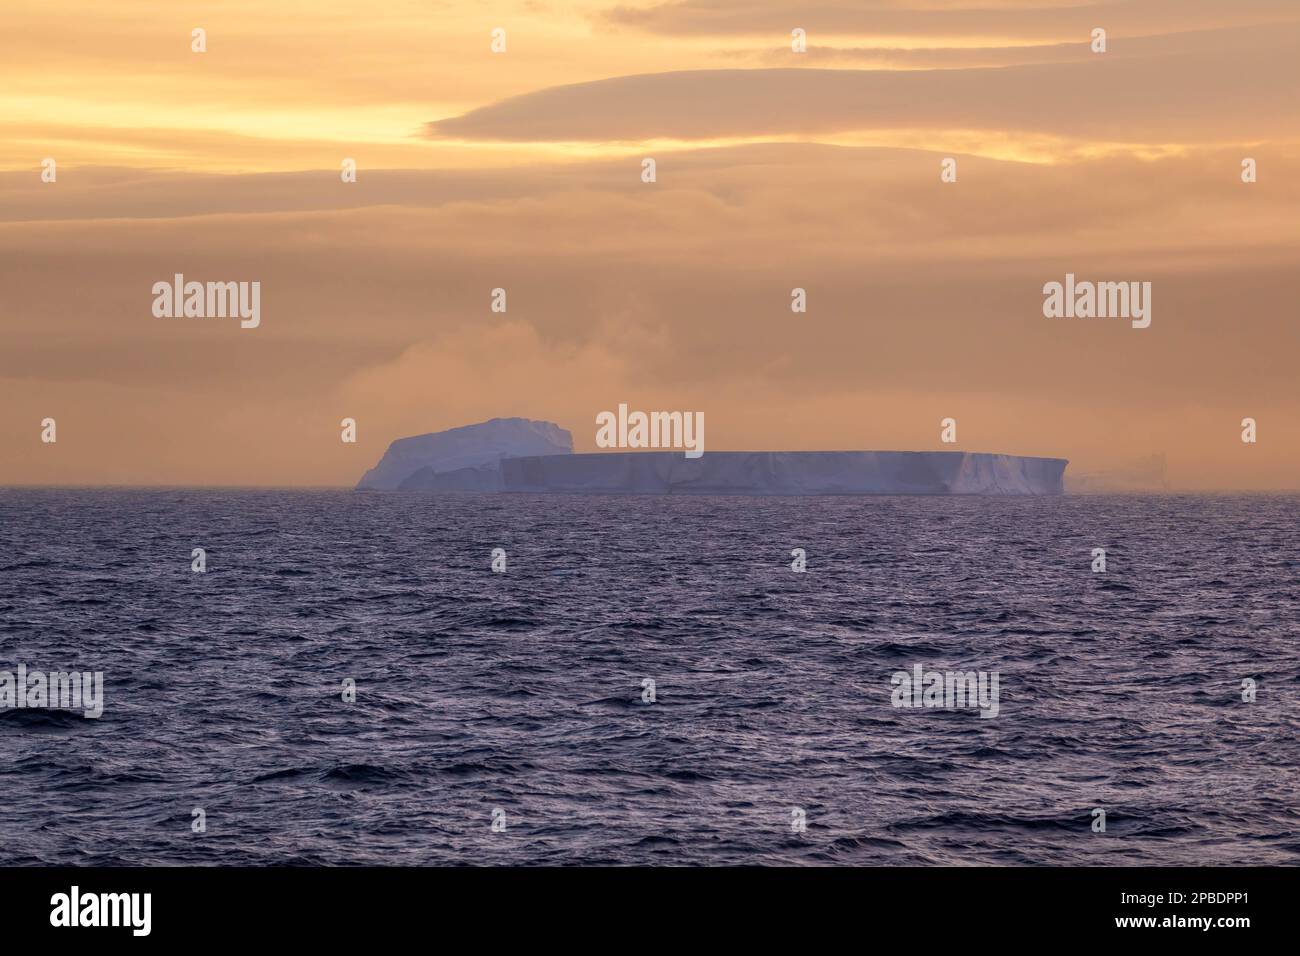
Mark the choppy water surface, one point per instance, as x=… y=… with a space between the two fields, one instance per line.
x=522 y=691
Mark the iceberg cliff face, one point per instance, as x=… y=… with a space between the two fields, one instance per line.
x=787 y=473
x=435 y=462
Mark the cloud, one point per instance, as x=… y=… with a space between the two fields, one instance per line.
x=882 y=56
x=1038 y=20
x=1225 y=95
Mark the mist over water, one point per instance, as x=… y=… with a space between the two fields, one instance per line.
x=522 y=691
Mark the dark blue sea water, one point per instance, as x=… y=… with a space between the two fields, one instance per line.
x=522 y=691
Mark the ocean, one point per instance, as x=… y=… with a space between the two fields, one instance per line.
x=648 y=681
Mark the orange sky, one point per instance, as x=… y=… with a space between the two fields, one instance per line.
x=522 y=170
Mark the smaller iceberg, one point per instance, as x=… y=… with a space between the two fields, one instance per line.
x=464 y=459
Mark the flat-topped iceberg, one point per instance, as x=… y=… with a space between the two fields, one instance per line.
x=786 y=473
x=520 y=455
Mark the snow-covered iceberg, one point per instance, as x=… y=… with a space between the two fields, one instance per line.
x=519 y=455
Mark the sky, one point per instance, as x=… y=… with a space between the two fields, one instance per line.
x=522 y=170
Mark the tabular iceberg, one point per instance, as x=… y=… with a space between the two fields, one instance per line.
x=520 y=455
x=787 y=473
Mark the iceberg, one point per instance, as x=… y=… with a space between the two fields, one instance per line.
x=465 y=458
x=786 y=473
x=523 y=456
